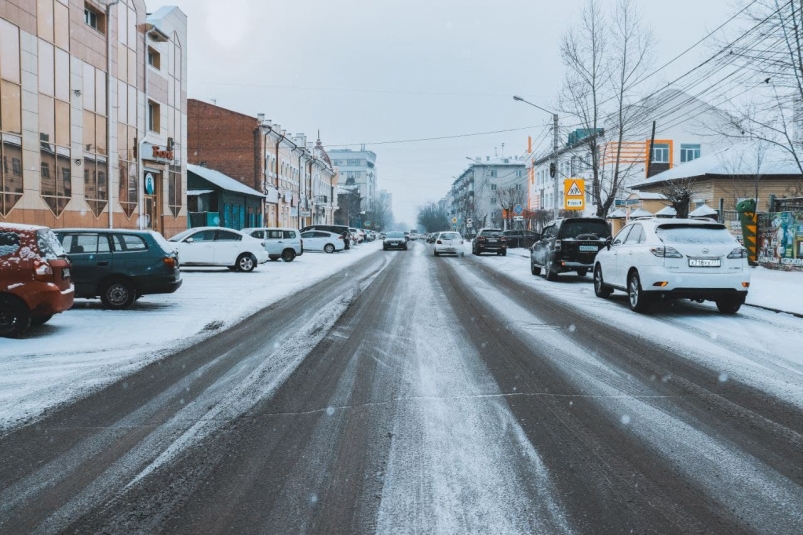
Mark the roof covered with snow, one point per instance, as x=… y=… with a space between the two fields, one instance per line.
x=222 y=181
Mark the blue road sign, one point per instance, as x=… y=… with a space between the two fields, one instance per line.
x=518 y=209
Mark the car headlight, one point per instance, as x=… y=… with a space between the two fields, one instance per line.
x=739 y=252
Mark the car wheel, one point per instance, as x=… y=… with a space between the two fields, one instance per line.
x=435 y=252
x=36 y=321
x=246 y=263
x=288 y=255
x=600 y=289
x=274 y=257
x=637 y=298
x=582 y=272
x=549 y=273
x=535 y=270
x=329 y=248
x=728 y=305
x=504 y=252
x=384 y=248
x=118 y=294
x=14 y=317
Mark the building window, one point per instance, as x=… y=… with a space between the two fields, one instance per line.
x=10 y=117
x=493 y=173
x=689 y=153
x=660 y=153
x=153 y=116
x=519 y=173
x=493 y=187
x=493 y=200
x=95 y=133
x=154 y=59
x=94 y=18
x=174 y=189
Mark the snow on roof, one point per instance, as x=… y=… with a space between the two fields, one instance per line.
x=647 y=196
x=749 y=158
x=703 y=211
x=222 y=181
x=196 y=192
x=667 y=211
x=617 y=214
x=641 y=212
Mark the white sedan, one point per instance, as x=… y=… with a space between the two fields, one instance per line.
x=214 y=246
x=655 y=258
x=321 y=240
x=448 y=243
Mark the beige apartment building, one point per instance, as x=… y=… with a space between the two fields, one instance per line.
x=93 y=117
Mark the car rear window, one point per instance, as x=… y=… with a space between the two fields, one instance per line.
x=685 y=234
x=289 y=234
x=491 y=232
x=128 y=242
x=450 y=236
x=584 y=229
x=395 y=235
x=9 y=243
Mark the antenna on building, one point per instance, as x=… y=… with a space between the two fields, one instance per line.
x=214 y=101
x=503 y=149
x=496 y=152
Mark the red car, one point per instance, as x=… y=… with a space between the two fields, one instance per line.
x=35 y=278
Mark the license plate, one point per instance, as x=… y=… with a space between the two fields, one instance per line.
x=492 y=240
x=394 y=243
x=705 y=262
x=65 y=273
x=589 y=248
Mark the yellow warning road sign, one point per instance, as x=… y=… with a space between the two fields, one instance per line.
x=574 y=196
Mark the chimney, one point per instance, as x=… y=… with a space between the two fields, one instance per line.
x=260 y=118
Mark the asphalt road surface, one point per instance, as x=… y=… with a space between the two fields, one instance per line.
x=413 y=394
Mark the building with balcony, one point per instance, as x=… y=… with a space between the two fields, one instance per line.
x=93 y=115
x=358 y=172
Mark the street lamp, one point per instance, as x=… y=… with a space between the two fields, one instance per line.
x=553 y=169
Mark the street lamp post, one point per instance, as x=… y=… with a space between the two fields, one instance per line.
x=553 y=170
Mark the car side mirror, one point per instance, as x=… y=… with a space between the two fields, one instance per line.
x=189 y=240
x=608 y=242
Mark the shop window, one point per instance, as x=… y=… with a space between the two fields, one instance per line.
x=10 y=118
x=174 y=190
x=129 y=189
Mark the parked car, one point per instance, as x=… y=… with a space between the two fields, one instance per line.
x=653 y=259
x=215 y=246
x=343 y=230
x=568 y=244
x=284 y=243
x=357 y=235
x=407 y=236
x=394 y=240
x=448 y=243
x=489 y=240
x=35 y=278
x=120 y=266
x=321 y=240
x=521 y=238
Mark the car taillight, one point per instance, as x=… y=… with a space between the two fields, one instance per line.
x=169 y=261
x=665 y=252
x=739 y=252
x=44 y=273
x=557 y=245
x=480 y=238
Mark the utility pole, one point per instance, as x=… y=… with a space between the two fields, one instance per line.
x=555 y=143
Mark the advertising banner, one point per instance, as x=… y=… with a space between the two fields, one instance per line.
x=780 y=240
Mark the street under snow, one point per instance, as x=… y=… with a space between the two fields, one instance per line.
x=397 y=392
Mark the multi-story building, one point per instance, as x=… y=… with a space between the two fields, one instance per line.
x=683 y=133
x=486 y=190
x=93 y=114
x=296 y=176
x=358 y=172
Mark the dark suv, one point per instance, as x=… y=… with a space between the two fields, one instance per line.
x=120 y=266
x=343 y=230
x=489 y=240
x=568 y=244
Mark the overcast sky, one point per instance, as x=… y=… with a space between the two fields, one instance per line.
x=366 y=71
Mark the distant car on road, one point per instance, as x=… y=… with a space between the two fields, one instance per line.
x=120 y=266
x=321 y=240
x=653 y=259
x=284 y=243
x=568 y=244
x=448 y=243
x=394 y=240
x=217 y=246
x=35 y=278
x=489 y=240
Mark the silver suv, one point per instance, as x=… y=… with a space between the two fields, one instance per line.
x=284 y=243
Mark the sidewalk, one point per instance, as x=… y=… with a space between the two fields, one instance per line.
x=771 y=289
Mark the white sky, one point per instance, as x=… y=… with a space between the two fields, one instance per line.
x=379 y=70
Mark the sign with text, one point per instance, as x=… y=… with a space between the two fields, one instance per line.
x=574 y=196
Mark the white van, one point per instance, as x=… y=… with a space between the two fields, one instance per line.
x=284 y=243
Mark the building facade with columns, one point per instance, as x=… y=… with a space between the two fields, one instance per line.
x=93 y=114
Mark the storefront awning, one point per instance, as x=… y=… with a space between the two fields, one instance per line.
x=223 y=181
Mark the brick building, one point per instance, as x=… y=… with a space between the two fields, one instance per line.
x=92 y=118
x=295 y=175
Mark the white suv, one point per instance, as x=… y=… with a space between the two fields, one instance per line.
x=284 y=243
x=674 y=258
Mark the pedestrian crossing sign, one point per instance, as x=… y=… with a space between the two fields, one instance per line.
x=574 y=197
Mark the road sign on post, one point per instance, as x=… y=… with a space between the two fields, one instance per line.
x=367 y=224
x=469 y=222
x=518 y=209
x=454 y=220
x=574 y=195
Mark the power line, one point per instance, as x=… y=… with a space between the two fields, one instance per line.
x=438 y=138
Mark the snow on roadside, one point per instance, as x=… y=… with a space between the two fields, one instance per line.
x=88 y=347
x=779 y=290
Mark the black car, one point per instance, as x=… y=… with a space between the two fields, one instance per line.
x=120 y=266
x=521 y=238
x=343 y=230
x=489 y=240
x=568 y=244
x=394 y=240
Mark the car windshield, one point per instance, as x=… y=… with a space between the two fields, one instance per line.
x=395 y=235
x=49 y=245
x=181 y=235
x=584 y=229
x=692 y=234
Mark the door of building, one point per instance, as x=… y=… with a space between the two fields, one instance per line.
x=153 y=200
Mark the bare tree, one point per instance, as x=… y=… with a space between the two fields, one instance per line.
x=604 y=61
x=679 y=193
x=509 y=197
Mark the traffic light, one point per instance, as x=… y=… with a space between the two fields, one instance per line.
x=552 y=170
